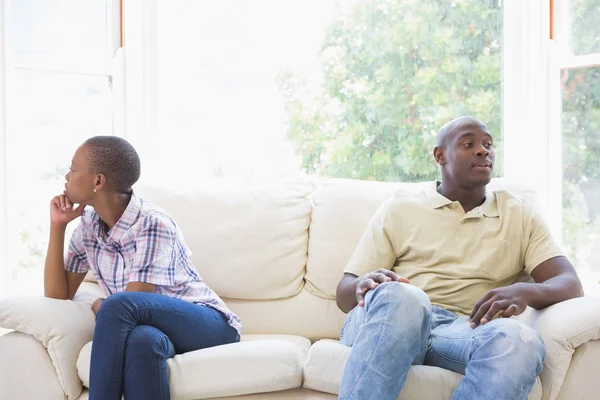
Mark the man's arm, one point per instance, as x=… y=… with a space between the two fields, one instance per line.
x=375 y=249
x=556 y=281
x=345 y=295
x=554 y=276
x=352 y=289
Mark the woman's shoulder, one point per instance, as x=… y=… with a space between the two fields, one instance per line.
x=152 y=215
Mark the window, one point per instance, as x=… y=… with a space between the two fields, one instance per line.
x=354 y=88
x=58 y=93
x=578 y=39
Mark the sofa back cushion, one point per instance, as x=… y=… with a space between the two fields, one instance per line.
x=341 y=211
x=246 y=242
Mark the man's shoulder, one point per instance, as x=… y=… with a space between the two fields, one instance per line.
x=405 y=200
x=508 y=201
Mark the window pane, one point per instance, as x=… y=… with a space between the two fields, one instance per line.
x=331 y=88
x=584 y=26
x=581 y=168
x=48 y=115
x=58 y=33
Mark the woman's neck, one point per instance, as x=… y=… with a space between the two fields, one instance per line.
x=110 y=208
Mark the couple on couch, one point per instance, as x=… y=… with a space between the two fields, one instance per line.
x=431 y=281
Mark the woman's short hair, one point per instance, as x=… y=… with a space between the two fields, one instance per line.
x=116 y=159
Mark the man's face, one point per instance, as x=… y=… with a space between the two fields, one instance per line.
x=469 y=155
x=80 y=180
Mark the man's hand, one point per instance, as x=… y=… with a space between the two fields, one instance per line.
x=96 y=305
x=507 y=301
x=370 y=281
x=62 y=211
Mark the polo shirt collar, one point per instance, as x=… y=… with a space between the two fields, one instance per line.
x=435 y=198
x=489 y=208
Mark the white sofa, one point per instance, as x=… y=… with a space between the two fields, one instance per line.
x=275 y=254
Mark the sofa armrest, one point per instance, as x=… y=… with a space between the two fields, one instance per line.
x=563 y=327
x=62 y=326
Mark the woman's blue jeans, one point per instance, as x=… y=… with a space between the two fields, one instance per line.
x=136 y=333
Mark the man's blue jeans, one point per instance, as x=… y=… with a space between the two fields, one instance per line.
x=136 y=333
x=398 y=327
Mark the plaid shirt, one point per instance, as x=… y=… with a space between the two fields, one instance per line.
x=145 y=245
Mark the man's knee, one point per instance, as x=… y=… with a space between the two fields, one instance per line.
x=401 y=302
x=524 y=345
x=401 y=294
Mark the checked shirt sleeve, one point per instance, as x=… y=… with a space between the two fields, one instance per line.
x=155 y=258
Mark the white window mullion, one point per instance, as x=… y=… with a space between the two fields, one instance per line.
x=141 y=64
x=4 y=270
x=527 y=151
x=116 y=65
x=554 y=163
x=586 y=61
x=113 y=27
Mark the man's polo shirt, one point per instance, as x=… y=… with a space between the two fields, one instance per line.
x=455 y=257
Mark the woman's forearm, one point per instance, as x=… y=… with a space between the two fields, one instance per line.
x=55 y=277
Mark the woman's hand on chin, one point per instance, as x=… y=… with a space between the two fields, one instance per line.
x=63 y=211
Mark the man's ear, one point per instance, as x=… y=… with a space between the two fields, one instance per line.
x=438 y=155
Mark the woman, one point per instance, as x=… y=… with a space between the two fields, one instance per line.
x=156 y=304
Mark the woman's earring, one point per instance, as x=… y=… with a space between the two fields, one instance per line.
x=94 y=190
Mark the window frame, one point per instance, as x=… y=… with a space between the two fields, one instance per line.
x=114 y=73
x=4 y=270
x=562 y=58
x=525 y=75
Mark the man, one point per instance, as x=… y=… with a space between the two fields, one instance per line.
x=433 y=270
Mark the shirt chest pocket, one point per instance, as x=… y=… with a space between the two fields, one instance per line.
x=496 y=260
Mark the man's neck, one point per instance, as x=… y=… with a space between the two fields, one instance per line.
x=468 y=199
x=111 y=208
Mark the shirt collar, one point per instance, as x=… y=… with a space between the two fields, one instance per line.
x=127 y=220
x=489 y=208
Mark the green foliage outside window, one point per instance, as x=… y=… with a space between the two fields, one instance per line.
x=394 y=73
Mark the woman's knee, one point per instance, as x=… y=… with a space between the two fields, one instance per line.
x=144 y=339
x=117 y=303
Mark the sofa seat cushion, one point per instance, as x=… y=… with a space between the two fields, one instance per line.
x=326 y=359
x=257 y=364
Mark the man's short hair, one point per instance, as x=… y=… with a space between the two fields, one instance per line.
x=116 y=159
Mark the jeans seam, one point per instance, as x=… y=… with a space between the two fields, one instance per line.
x=188 y=315
x=385 y=319
x=160 y=383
